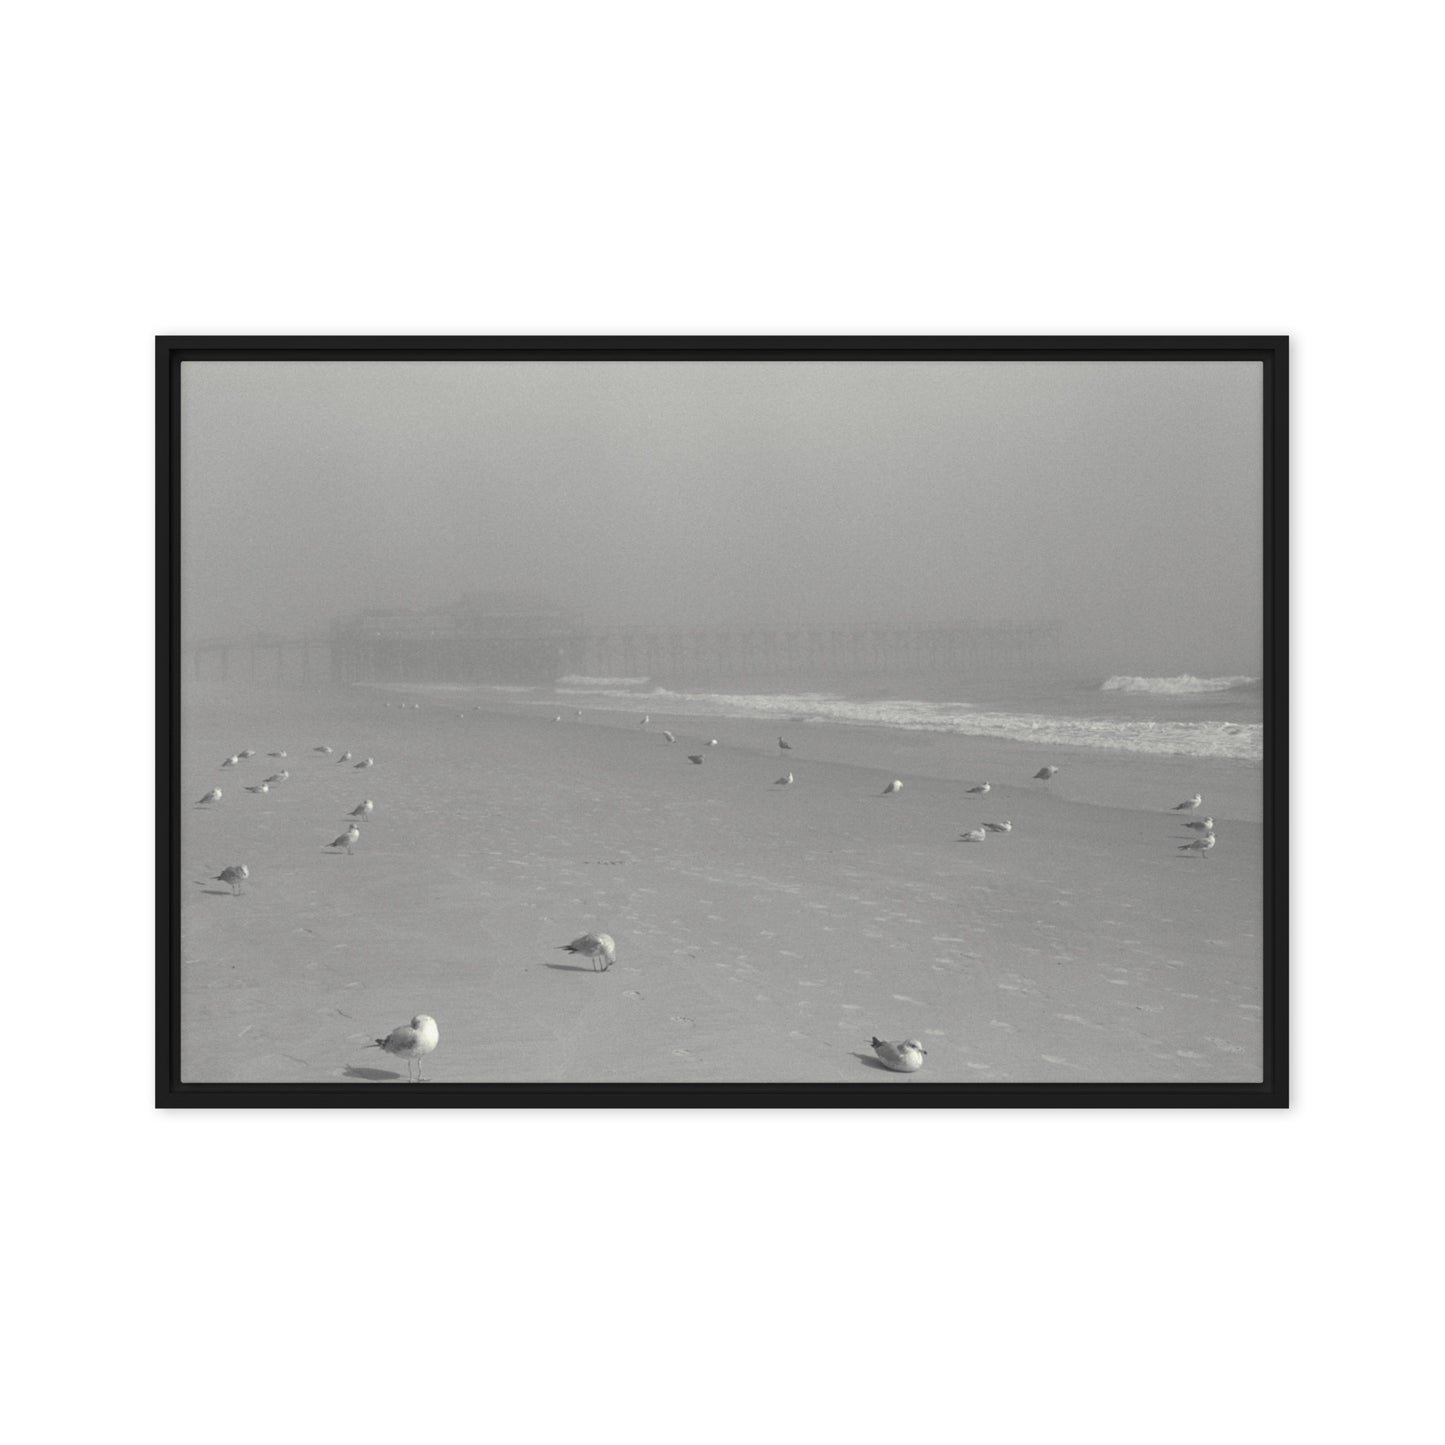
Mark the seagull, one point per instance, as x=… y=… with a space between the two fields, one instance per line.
x=694 y=757
x=1199 y=825
x=1198 y=845
x=1188 y=805
x=362 y=810
x=232 y=761
x=593 y=946
x=234 y=876
x=1005 y=827
x=281 y=754
x=579 y=714
x=279 y=777
x=786 y=746
x=669 y=736
x=368 y=763
x=260 y=788
x=214 y=796
x=783 y=782
x=1046 y=772
x=324 y=749
x=350 y=836
x=712 y=742
x=411 y=1041
x=974 y=835
x=558 y=718
x=981 y=788
x=247 y=753
x=646 y=718
x=904 y=1058
x=345 y=757
x=896 y=786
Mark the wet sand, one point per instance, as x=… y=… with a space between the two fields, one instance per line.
x=763 y=933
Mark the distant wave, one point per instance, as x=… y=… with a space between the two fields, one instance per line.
x=571 y=680
x=1242 y=741
x=1175 y=685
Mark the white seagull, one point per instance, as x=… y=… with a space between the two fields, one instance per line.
x=712 y=742
x=646 y=718
x=1189 y=804
x=234 y=876
x=904 y=1058
x=281 y=754
x=411 y=1041
x=593 y=946
x=981 y=789
x=214 y=796
x=350 y=836
x=362 y=810
x=558 y=718
x=260 y=788
x=1199 y=825
x=1005 y=827
x=366 y=763
x=1046 y=772
x=232 y=761
x=669 y=736
x=974 y=835
x=247 y=753
x=783 y=782
x=279 y=777
x=1198 y=845
x=324 y=749
x=345 y=757
x=896 y=786
x=786 y=746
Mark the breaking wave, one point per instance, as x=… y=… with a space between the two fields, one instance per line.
x=1184 y=683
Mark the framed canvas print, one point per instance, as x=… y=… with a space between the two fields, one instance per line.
x=847 y=722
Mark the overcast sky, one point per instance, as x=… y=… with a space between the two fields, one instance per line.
x=1122 y=498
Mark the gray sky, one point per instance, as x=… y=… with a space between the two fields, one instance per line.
x=1122 y=498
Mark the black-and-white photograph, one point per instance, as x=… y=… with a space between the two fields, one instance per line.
x=878 y=723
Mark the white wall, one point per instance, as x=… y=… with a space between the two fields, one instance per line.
x=778 y=168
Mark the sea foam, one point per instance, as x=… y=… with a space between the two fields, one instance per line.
x=1175 y=686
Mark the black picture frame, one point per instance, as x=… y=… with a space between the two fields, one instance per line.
x=1271 y=351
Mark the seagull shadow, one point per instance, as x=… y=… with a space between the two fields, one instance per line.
x=354 y=1071
x=872 y=1062
x=573 y=968
x=220 y=893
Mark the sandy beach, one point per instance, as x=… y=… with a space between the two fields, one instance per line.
x=764 y=933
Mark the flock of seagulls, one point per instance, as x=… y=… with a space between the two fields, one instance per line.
x=1205 y=826
x=414 y=1041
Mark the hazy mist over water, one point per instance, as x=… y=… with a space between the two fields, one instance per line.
x=1122 y=499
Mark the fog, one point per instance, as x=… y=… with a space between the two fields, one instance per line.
x=1121 y=499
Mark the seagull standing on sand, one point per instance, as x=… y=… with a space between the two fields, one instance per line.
x=281 y=754
x=981 y=789
x=783 y=782
x=214 y=796
x=234 y=876
x=785 y=746
x=279 y=777
x=366 y=763
x=669 y=736
x=345 y=757
x=260 y=788
x=712 y=742
x=232 y=761
x=411 y=1041
x=362 y=810
x=350 y=836
x=1046 y=772
x=247 y=753
x=904 y=1058
x=694 y=757
x=974 y=835
x=1188 y=805
x=1199 y=845
x=896 y=786
x=558 y=718
x=1199 y=825
x=324 y=749
x=1005 y=827
x=593 y=946
x=646 y=718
